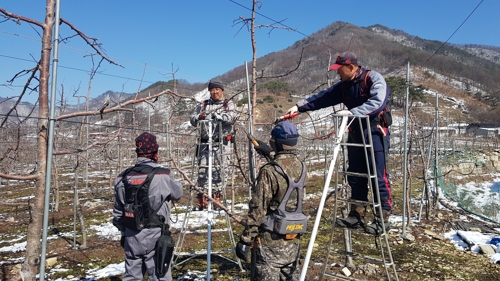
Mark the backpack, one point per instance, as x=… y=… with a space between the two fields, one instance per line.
x=384 y=118
x=204 y=104
x=137 y=212
x=281 y=221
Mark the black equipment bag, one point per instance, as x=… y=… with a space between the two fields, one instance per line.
x=137 y=211
x=164 y=251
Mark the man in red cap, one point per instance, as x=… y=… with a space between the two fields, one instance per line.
x=363 y=92
x=154 y=187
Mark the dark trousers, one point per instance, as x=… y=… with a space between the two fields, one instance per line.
x=358 y=164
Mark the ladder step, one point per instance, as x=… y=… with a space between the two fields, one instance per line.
x=205 y=230
x=338 y=275
x=365 y=258
x=356 y=144
x=206 y=166
x=358 y=202
x=204 y=252
x=359 y=175
x=361 y=230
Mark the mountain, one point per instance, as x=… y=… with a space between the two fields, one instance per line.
x=111 y=96
x=382 y=49
x=470 y=72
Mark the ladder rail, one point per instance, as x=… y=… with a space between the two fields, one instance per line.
x=379 y=204
x=213 y=166
x=374 y=202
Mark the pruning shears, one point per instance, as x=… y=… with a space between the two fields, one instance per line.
x=256 y=144
x=252 y=139
x=286 y=117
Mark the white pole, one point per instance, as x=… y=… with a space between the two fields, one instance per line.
x=149 y=115
x=209 y=207
x=251 y=158
x=436 y=153
x=405 y=150
x=338 y=139
x=87 y=154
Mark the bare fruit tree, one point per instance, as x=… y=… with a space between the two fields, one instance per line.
x=251 y=26
x=31 y=263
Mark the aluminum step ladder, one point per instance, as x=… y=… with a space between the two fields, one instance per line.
x=217 y=158
x=344 y=247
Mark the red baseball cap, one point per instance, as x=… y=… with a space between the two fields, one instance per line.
x=345 y=58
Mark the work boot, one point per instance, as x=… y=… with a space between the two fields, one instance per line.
x=376 y=227
x=355 y=219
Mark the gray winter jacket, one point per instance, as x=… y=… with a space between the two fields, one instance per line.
x=163 y=188
x=351 y=94
x=208 y=108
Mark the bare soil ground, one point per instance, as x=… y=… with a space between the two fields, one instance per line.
x=428 y=257
x=425 y=258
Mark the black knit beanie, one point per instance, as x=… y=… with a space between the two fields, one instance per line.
x=215 y=83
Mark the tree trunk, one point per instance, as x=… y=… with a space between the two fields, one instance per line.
x=55 y=180
x=120 y=160
x=79 y=211
x=81 y=218
x=111 y=181
x=254 y=67
x=31 y=263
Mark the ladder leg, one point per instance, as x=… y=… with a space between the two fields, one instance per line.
x=208 y=164
x=375 y=204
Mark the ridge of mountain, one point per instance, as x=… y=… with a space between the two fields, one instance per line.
x=378 y=47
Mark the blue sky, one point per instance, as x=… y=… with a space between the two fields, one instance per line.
x=199 y=40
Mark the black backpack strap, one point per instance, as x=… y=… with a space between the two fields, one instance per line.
x=132 y=197
x=203 y=105
x=224 y=104
x=291 y=183
x=147 y=180
x=156 y=220
x=291 y=186
x=362 y=80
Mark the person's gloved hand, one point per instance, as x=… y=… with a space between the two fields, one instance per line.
x=263 y=149
x=242 y=250
x=220 y=117
x=292 y=110
x=201 y=116
x=122 y=239
x=344 y=112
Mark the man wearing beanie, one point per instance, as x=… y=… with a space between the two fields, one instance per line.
x=223 y=113
x=160 y=187
x=275 y=256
